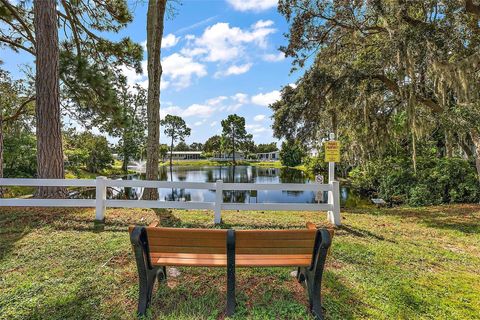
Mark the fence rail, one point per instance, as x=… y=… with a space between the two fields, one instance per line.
x=100 y=203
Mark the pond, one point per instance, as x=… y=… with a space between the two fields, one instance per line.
x=241 y=174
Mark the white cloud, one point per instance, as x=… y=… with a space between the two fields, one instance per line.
x=198 y=110
x=220 y=42
x=194 y=110
x=264 y=99
x=173 y=110
x=274 y=57
x=253 y=5
x=240 y=98
x=262 y=24
x=216 y=101
x=259 y=117
x=256 y=128
x=179 y=70
x=213 y=124
x=170 y=40
x=234 y=70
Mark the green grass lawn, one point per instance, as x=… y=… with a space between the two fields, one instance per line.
x=384 y=264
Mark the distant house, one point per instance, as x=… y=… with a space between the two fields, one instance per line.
x=185 y=155
x=228 y=157
x=268 y=156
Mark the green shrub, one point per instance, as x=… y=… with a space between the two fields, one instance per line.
x=316 y=165
x=437 y=181
x=291 y=153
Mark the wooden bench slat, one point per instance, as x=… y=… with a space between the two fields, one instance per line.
x=217 y=234
x=255 y=243
x=222 y=256
x=274 y=250
x=167 y=249
x=186 y=242
x=190 y=262
x=273 y=243
x=218 y=260
x=224 y=250
x=302 y=234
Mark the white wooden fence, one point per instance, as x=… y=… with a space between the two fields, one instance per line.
x=101 y=202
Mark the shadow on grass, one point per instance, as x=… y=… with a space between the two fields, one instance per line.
x=79 y=301
x=362 y=233
x=339 y=300
x=464 y=218
x=167 y=219
x=17 y=222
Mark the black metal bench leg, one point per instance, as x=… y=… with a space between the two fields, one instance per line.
x=313 y=275
x=314 y=295
x=146 y=284
x=146 y=272
x=230 y=273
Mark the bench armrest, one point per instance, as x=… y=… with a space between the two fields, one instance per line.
x=139 y=241
x=323 y=241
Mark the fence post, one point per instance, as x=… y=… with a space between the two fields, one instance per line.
x=334 y=200
x=100 y=198
x=218 y=202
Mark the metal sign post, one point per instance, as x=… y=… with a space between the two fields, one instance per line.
x=332 y=155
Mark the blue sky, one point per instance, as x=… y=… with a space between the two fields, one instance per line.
x=219 y=57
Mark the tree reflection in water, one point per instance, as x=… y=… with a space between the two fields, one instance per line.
x=229 y=174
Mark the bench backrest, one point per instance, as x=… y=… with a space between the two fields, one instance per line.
x=208 y=247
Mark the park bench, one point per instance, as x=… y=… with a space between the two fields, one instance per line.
x=156 y=247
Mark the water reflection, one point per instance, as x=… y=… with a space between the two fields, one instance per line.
x=240 y=174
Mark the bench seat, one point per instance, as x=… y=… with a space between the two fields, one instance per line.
x=220 y=260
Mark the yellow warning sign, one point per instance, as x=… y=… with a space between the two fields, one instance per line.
x=332 y=151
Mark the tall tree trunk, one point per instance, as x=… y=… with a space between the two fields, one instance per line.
x=233 y=144
x=171 y=151
x=476 y=142
x=126 y=159
x=1 y=153
x=47 y=107
x=155 y=15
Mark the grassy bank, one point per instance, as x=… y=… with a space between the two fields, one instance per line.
x=384 y=264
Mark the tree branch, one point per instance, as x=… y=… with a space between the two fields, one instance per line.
x=13 y=10
x=393 y=86
x=21 y=110
x=17 y=45
x=73 y=26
